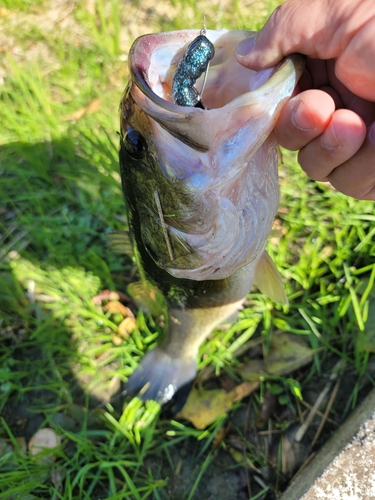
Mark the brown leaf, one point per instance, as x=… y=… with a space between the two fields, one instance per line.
x=115 y=306
x=243 y=390
x=218 y=439
x=287 y=354
x=204 y=407
x=57 y=476
x=266 y=410
x=293 y=453
x=105 y=295
x=126 y=327
x=253 y=369
x=117 y=340
x=238 y=456
x=110 y=295
x=21 y=441
x=86 y=110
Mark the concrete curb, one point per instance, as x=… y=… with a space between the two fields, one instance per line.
x=344 y=469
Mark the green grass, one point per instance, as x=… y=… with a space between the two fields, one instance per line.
x=60 y=194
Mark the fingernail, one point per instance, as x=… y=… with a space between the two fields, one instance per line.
x=246 y=46
x=302 y=118
x=329 y=139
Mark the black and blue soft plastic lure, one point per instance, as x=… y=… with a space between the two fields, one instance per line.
x=196 y=61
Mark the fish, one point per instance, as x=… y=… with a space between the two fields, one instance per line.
x=201 y=191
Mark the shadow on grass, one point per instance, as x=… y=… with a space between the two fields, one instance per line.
x=54 y=212
x=59 y=362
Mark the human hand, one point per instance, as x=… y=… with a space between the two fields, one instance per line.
x=331 y=120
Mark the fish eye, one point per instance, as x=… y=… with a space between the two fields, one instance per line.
x=135 y=144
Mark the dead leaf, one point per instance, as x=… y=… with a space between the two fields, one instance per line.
x=110 y=295
x=326 y=252
x=241 y=457
x=266 y=410
x=105 y=295
x=57 y=476
x=126 y=327
x=129 y=313
x=21 y=441
x=287 y=353
x=204 y=407
x=219 y=437
x=86 y=110
x=293 y=453
x=238 y=456
x=243 y=390
x=44 y=439
x=275 y=236
x=117 y=340
x=115 y=306
x=253 y=369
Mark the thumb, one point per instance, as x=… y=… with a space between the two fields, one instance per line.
x=259 y=51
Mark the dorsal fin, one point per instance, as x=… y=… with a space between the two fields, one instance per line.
x=120 y=242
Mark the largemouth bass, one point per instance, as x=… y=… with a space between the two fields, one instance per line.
x=201 y=191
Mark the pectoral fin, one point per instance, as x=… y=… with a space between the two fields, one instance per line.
x=269 y=280
x=120 y=242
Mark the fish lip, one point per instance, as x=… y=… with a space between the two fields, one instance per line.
x=139 y=57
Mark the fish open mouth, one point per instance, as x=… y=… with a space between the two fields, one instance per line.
x=154 y=62
x=164 y=51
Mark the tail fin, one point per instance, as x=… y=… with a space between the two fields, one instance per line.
x=159 y=376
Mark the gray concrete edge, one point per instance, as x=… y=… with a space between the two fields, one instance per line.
x=335 y=445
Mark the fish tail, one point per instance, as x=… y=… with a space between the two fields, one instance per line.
x=159 y=376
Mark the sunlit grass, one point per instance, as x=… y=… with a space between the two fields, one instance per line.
x=60 y=194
